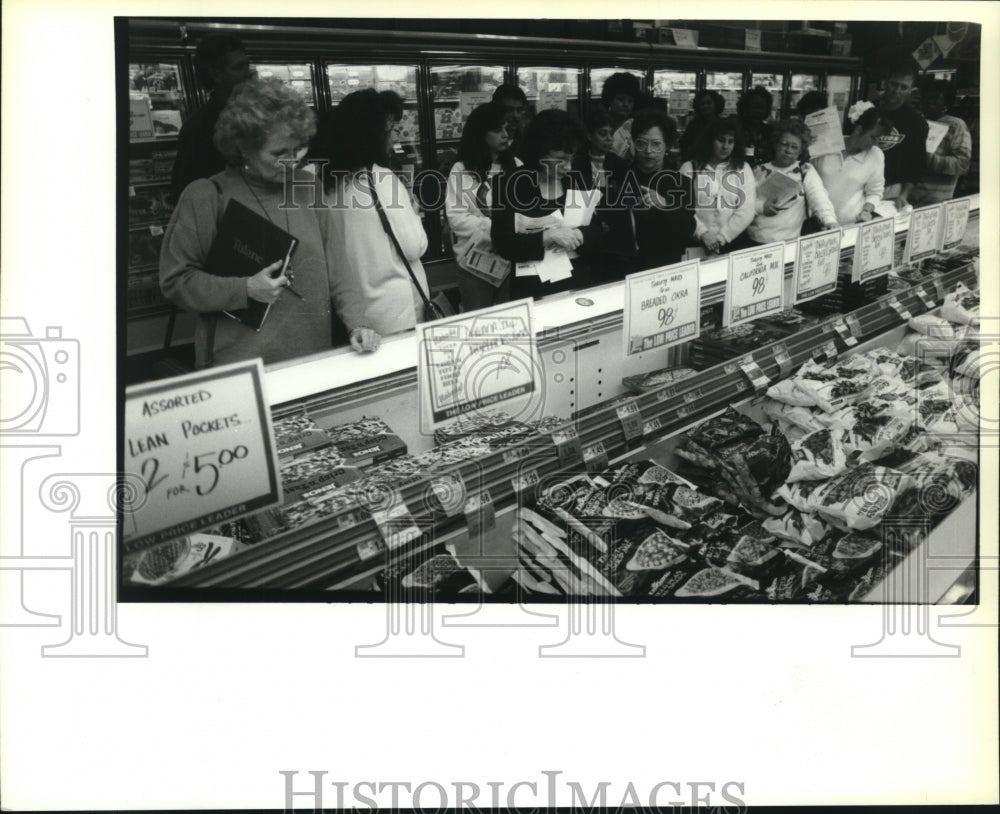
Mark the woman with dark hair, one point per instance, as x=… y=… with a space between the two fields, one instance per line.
x=724 y=187
x=706 y=108
x=527 y=206
x=855 y=178
x=753 y=108
x=596 y=162
x=262 y=130
x=376 y=237
x=619 y=95
x=483 y=152
x=781 y=213
x=664 y=224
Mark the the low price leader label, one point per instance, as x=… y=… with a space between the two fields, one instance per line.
x=200 y=450
x=662 y=307
x=756 y=285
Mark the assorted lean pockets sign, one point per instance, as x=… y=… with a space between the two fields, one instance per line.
x=199 y=450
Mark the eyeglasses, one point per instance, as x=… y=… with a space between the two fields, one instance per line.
x=649 y=146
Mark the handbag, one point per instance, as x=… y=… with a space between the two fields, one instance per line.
x=437 y=307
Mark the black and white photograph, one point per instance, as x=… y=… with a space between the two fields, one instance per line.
x=652 y=354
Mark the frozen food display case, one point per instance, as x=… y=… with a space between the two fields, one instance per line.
x=598 y=76
x=329 y=548
x=344 y=78
x=158 y=106
x=296 y=75
x=801 y=83
x=729 y=84
x=551 y=87
x=775 y=84
x=678 y=88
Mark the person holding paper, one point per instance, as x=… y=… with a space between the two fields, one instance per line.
x=665 y=225
x=483 y=279
x=855 y=178
x=724 y=187
x=619 y=95
x=263 y=129
x=905 y=142
x=788 y=189
x=526 y=210
x=951 y=157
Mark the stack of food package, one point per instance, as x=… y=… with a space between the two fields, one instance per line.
x=793 y=512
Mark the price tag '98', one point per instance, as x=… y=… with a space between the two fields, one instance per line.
x=756 y=286
x=662 y=307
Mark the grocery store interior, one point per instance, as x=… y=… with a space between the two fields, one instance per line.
x=817 y=442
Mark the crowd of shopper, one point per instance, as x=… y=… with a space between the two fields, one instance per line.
x=726 y=183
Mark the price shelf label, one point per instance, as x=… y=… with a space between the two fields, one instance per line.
x=898 y=307
x=929 y=303
x=845 y=335
x=568 y=447
x=480 y=515
x=873 y=251
x=395 y=523
x=783 y=360
x=200 y=449
x=817 y=262
x=756 y=286
x=450 y=493
x=630 y=417
x=595 y=458
x=525 y=480
x=923 y=238
x=662 y=307
x=956 y=220
x=756 y=376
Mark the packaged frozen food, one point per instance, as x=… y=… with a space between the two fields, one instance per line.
x=933 y=326
x=818 y=455
x=961 y=306
x=860 y=497
x=799 y=528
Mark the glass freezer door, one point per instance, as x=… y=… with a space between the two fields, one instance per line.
x=801 y=83
x=401 y=79
x=598 y=76
x=298 y=76
x=729 y=84
x=775 y=84
x=551 y=87
x=838 y=93
x=156 y=101
x=678 y=88
x=455 y=91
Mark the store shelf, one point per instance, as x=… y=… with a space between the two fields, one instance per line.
x=326 y=554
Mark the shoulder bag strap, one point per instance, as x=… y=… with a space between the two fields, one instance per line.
x=392 y=236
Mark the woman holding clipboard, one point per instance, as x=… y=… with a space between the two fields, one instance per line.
x=262 y=132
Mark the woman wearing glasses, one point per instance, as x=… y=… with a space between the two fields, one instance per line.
x=664 y=220
x=262 y=132
x=789 y=190
x=527 y=205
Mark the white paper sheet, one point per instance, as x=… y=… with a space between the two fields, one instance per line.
x=579 y=207
x=935 y=135
x=827 y=134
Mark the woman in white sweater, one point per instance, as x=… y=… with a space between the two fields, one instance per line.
x=724 y=188
x=783 y=204
x=855 y=177
x=483 y=276
x=369 y=281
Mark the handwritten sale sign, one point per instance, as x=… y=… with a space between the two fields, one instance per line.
x=476 y=360
x=662 y=307
x=956 y=220
x=202 y=447
x=756 y=285
x=873 y=251
x=817 y=262
x=924 y=235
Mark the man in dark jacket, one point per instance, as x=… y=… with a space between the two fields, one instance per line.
x=905 y=145
x=221 y=64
